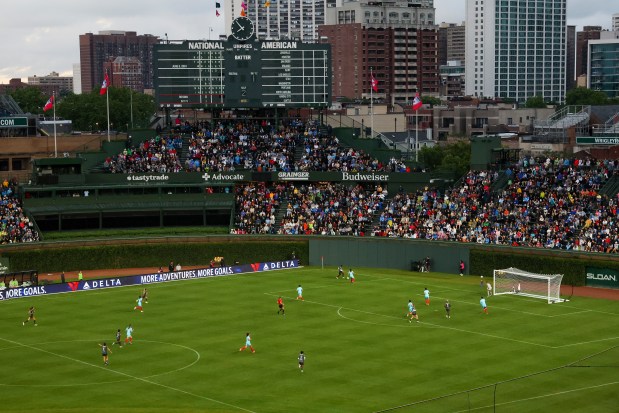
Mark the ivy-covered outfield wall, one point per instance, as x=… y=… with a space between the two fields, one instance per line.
x=55 y=257
x=332 y=251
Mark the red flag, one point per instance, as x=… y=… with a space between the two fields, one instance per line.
x=217 y=13
x=374 y=84
x=417 y=103
x=104 y=85
x=49 y=104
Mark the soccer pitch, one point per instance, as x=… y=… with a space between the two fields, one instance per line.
x=362 y=353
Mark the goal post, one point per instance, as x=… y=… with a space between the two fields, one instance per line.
x=528 y=284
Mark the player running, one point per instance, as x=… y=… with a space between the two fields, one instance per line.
x=129 y=334
x=280 y=304
x=247 y=344
x=145 y=296
x=300 y=293
x=30 y=317
x=104 y=351
x=139 y=304
x=340 y=272
x=482 y=302
x=351 y=275
x=426 y=295
x=118 y=339
x=447 y=309
x=301 y=360
x=412 y=312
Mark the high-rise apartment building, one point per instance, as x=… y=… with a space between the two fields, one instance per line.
x=98 y=49
x=582 y=47
x=281 y=19
x=603 y=74
x=77 y=79
x=516 y=49
x=395 y=42
x=615 y=22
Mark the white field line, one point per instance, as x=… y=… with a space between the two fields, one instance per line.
x=427 y=324
x=127 y=375
x=592 y=406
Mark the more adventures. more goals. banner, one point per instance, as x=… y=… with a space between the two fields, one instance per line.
x=112 y=282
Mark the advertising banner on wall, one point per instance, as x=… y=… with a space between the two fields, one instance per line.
x=602 y=277
x=112 y=282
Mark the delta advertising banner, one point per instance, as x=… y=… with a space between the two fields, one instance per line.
x=112 y=282
x=602 y=278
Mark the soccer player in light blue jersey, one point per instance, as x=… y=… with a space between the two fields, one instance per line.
x=426 y=295
x=300 y=293
x=482 y=302
x=247 y=344
x=129 y=334
x=139 y=304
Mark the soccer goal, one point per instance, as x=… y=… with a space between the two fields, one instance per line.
x=528 y=284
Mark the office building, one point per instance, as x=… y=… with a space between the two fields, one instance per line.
x=582 y=47
x=603 y=71
x=52 y=83
x=615 y=22
x=516 y=49
x=451 y=43
x=394 y=42
x=96 y=50
x=77 y=79
x=570 y=59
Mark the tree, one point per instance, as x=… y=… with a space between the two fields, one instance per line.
x=30 y=99
x=584 y=96
x=454 y=158
x=88 y=110
x=430 y=100
x=535 y=102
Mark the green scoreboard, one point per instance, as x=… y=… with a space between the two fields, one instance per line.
x=236 y=74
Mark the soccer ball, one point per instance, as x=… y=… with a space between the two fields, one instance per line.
x=348 y=278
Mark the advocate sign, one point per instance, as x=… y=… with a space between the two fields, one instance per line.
x=602 y=277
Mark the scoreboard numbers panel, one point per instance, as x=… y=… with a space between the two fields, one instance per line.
x=231 y=74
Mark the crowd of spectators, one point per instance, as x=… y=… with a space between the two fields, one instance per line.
x=329 y=209
x=159 y=155
x=256 y=206
x=548 y=203
x=15 y=226
x=232 y=145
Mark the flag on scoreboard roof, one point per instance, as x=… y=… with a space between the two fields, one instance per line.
x=104 y=85
x=49 y=104
x=374 y=84
x=217 y=13
x=243 y=13
x=217 y=5
x=267 y=4
x=417 y=103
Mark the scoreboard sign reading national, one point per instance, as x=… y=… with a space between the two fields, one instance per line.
x=232 y=74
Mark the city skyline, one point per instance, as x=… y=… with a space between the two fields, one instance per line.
x=47 y=41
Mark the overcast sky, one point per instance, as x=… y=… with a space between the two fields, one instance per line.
x=38 y=37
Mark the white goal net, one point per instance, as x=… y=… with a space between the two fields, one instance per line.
x=528 y=284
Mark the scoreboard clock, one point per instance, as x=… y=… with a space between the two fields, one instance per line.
x=242 y=72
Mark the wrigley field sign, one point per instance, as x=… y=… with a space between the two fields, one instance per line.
x=598 y=140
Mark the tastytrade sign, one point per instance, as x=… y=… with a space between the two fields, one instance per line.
x=112 y=282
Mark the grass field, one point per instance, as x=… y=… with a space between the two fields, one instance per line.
x=362 y=353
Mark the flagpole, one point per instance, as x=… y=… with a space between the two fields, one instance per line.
x=371 y=106
x=107 y=99
x=416 y=136
x=54 y=105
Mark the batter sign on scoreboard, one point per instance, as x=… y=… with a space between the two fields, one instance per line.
x=236 y=74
